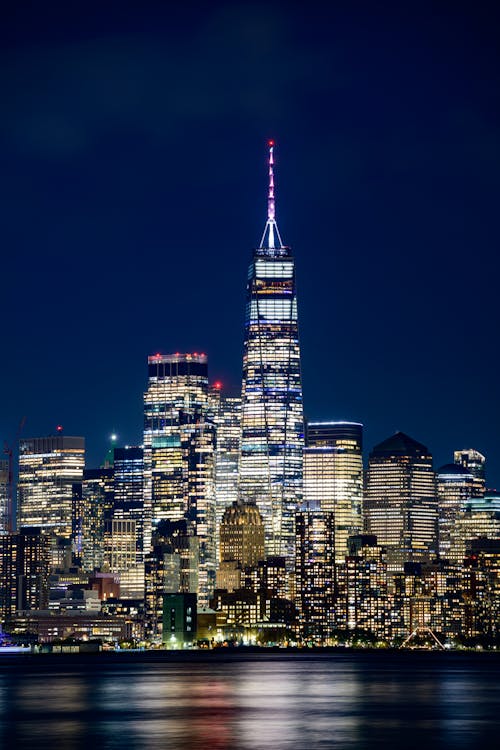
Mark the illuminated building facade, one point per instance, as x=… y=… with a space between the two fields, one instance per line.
x=333 y=476
x=475 y=463
x=171 y=567
x=226 y=415
x=4 y=496
x=362 y=588
x=48 y=468
x=315 y=574
x=179 y=455
x=242 y=534
x=400 y=503
x=127 y=527
x=272 y=436
x=93 y=500
x=455 y=485
x=24 y=571
x=480 y=517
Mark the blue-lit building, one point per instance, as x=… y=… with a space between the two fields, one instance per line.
x=272 y=436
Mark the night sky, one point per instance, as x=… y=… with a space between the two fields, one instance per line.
x=133 y=189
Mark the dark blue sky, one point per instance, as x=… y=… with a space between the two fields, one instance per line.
x=132 y=191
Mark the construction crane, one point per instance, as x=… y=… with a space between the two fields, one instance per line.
x=9 y=452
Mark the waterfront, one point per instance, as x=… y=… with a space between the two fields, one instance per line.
x=235 y=701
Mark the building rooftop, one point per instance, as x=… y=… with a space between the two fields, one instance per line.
x=400 y=444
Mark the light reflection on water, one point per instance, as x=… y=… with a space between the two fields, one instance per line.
x=249 y=703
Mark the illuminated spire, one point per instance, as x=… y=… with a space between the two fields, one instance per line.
x=271 y=228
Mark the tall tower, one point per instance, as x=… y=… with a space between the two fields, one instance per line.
x=179 y=447
x=4 y=496
x=333 y=477
x=272 y=436
x=475 y=463
x=48 y=467
x=455 y=485
x=400 y=501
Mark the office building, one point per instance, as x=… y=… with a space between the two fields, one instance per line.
x=333 y=476
x=272 y=436
x=48 y=468
x=475 y=463
x=242 y=534
x=179 y=455
x=93 y=500
x=171 y=567
x=400 y=502
x=455 y=485
x=225 y=412
x=480 y=518
x=127 y=526
x=4 y=496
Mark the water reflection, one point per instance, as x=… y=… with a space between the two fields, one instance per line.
x=285 y=703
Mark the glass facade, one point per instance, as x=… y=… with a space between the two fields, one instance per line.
x=48 y=468
x=226 y=415
x=475 y=463
x=333 y=477
x=272 y=436
x=179 y=455
x=455 y=485
x=400 y=500
x=127 y=532
x=4 y=496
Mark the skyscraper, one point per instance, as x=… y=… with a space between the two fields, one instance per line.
x=242 y=535
x=93 y=499
x=333 y=477
x=24 y=571
x=225 y=411
x=127 y=531
x=48 y=467
x=179 y=447
x=475 y=463
x=4 y=496
x=455 y=485
x=315 y=573
x=400 y=500
x=272 y=436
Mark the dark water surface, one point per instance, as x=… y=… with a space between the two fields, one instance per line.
x=251 y=701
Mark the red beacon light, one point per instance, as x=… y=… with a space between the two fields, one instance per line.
x=218 y=385
x=270 y=143
x=59 y=428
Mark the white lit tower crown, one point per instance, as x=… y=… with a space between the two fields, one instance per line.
x=272 y=436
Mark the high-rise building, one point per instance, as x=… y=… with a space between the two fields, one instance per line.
x=362 y=591
x=93 y=500
x=242 y=534
x=24 y=571
x=455 y=485
x=225 y=412
x=127 y=528
x=333 y=476
x=475 y=463
x=171 y=567
x=272 y=436
x=480 y=518
x=179 y=449
x=4 y=496
x=400 y=502
x=315 y=574
x=48 y=468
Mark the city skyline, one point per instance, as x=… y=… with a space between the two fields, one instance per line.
x=387 y=195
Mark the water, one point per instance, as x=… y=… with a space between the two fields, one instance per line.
x=250 y=701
